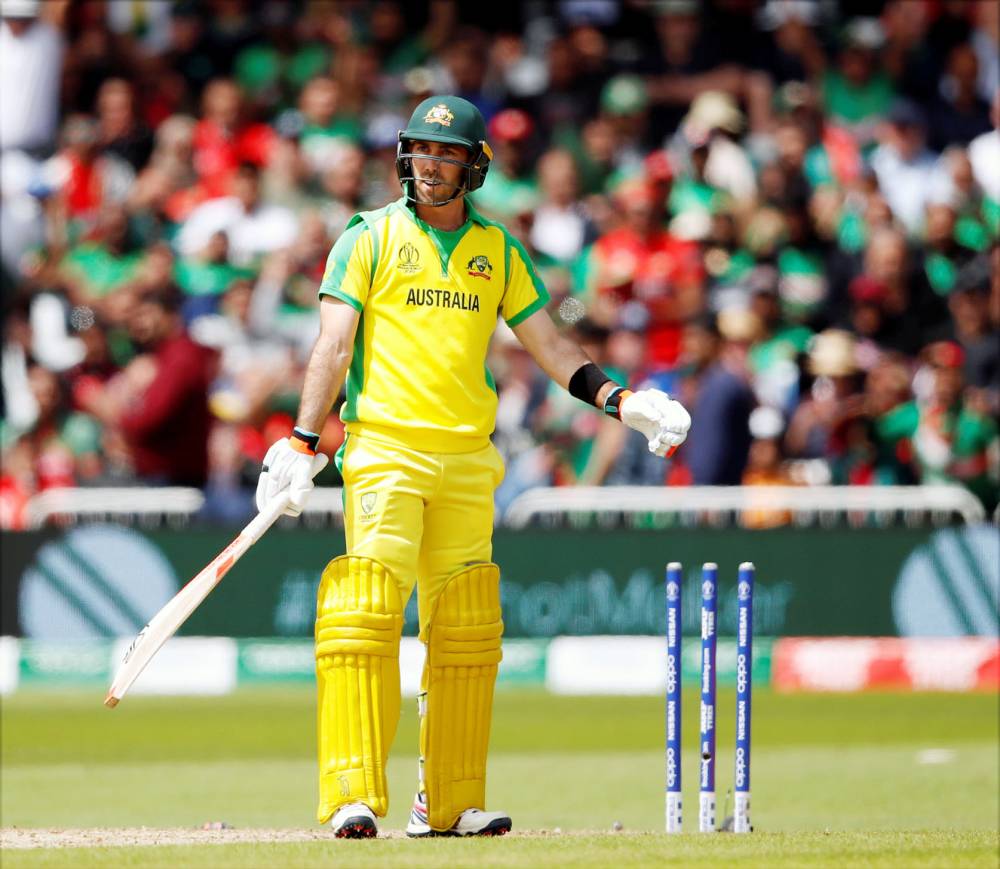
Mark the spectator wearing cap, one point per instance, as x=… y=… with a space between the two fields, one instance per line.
x=625 y=103
x=857 y=92
x=765 y=467
x=706 y=147
x=815 y=430
x=952 y=442
x=252 y=227
x=509 y=189
x=161 y=411
x=906 y=169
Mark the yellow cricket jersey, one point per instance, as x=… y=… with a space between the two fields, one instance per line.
x=429 y=302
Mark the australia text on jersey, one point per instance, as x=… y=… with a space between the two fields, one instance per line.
x=443 y=299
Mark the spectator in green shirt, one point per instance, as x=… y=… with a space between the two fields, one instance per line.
x=952 y=440
x=327 y=128
x=105 y=263
x=857 y=92
x=509 y=189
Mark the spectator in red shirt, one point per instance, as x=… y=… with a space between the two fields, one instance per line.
x=162 y=413
x=641 y=262
x=224 y=138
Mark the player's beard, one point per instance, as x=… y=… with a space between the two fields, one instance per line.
x=439 y=194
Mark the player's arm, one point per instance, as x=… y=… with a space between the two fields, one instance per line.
x=557 y=355
x=291 y=463
x=328 y=363
x=663 y=421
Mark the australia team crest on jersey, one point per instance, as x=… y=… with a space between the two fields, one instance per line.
x=368 y=500
x=480 y=267
x=439 y=114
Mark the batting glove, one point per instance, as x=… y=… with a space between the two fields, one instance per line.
x=288 y=467
x=662 y=421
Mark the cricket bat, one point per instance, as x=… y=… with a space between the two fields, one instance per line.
x=176 y=611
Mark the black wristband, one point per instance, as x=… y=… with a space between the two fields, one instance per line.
x=310 y=439
x=586 y=382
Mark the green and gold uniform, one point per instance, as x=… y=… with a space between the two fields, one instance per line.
x=419 y=474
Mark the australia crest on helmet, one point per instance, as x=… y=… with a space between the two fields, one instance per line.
x=439 y=114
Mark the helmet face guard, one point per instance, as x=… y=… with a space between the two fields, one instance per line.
x=474 y=174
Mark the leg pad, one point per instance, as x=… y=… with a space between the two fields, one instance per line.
x=463 y=652
x=358 y=623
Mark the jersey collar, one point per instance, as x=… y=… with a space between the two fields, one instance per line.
x=471 y=215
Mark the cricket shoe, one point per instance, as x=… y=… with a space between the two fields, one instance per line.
x=354 y=821
x=472 y=822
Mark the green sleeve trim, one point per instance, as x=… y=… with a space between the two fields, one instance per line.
x=506 y=261
x=521 y=316
x=543 y=294
x=344 y=297
x=370 y=223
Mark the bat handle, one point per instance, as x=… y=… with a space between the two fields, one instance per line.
x=266 y=518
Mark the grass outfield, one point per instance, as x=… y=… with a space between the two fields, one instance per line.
x=836 y=778
x=877 y=850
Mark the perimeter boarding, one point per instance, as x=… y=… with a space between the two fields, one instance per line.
x=744 y=653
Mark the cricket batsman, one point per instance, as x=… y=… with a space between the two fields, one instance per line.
x=409 y=300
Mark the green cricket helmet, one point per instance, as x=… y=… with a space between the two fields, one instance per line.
x=450 y=120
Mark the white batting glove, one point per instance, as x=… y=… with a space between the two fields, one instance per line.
x=285 y=468
x=662 y=421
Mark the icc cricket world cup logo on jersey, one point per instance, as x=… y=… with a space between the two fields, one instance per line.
x=409 y=259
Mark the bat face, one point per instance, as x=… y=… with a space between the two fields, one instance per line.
x=166 y=622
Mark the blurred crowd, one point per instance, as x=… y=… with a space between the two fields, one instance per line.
x=783 y=212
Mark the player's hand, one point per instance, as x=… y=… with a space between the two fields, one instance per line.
x=287 y=469
x=662 y=421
